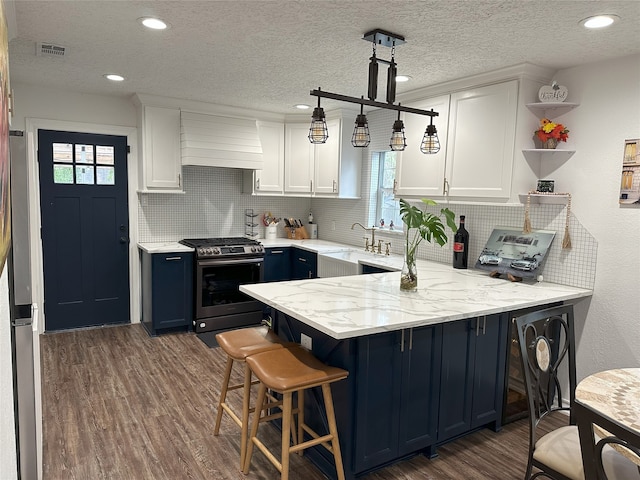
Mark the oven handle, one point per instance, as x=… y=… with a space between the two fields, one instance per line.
x=243 y=261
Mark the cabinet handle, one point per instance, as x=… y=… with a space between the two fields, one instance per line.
x=257 y=184
x=180 y=180
x=335 y=185
x=402 y=342
x=484 y=325
x=445 y=187
x=168 y=259
x=311 y=185
x=411 y=339
x=302 y=259
x=395 y=186
x=276 y=252
x=310 y=276
x=477 y=326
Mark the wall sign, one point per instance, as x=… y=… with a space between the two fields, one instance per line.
x=553 y=93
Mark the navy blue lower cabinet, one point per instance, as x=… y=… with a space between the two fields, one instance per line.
x=472 y=378
x=167 y=291
x=277 y=264
x=304 y=264
x=396 y=395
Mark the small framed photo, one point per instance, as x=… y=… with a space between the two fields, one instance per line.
x=545 y=186
x=630 y=177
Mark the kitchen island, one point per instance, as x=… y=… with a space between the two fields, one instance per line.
x=425 y=367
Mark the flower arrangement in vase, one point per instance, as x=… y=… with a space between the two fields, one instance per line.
x=425 y=226
x=550 y=133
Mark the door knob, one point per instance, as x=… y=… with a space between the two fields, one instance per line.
x=124 y=240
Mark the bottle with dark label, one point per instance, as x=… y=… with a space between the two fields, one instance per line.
x=461 y=246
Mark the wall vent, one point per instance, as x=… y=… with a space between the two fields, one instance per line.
x=50 y=50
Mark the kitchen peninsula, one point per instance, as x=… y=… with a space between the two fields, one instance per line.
x=424 y=367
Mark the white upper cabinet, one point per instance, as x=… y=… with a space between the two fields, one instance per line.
x=270 y=179
x=161 y=166
x=418 y=173
x=298 y=158
x=331 y=169
x=476 y=129
x=480 y=146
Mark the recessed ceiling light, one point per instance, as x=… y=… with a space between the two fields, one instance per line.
x=153 y=23
x=403 y=78
x=302 y=106
x=599 y=21
x=114 y=77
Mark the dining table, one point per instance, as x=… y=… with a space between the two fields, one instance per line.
x=610 y=397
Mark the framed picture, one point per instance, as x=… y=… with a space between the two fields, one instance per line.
x=630 y=178
x=508 y=250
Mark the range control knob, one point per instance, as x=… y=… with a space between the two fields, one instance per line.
x=253 y=249
x=216 y=251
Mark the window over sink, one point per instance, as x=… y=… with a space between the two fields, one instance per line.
x=387 y=208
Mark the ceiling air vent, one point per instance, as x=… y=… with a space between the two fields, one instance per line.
x=50 y=50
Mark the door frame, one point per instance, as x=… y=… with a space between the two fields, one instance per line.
x=35 y=221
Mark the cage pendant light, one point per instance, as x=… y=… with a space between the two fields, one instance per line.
x=430 y=142
x=318 y=131
x=361 y=137
x=398 y=140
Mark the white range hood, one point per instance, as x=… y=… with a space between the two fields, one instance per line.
x=219 y=141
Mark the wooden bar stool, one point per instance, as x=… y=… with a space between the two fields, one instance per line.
x=286 y=371
x=238 y=345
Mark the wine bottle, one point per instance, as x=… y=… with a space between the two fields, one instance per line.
x=461 y=246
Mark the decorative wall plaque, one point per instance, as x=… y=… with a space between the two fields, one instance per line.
x=553 y=93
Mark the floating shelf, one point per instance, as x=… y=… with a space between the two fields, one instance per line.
x=541 y=198
x=556 y=108
x=557 y=154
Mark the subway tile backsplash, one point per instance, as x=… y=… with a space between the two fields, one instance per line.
x=213 y=206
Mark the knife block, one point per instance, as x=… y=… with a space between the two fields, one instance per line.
x=299 y=233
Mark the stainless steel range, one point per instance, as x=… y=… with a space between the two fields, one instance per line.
x=221 y=266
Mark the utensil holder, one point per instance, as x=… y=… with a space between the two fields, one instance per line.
x=271 y=232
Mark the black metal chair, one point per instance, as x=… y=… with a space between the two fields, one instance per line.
x=597 y=454
x=547 y=347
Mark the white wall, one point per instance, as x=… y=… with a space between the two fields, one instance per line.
x=8 y=461
x=609 y=112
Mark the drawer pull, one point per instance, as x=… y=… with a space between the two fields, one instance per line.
x=172 y=258
x=302 y=259
x=276 y=252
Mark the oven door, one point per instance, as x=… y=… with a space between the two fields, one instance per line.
x=218 y=286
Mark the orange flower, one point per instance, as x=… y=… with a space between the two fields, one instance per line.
x=549 y=129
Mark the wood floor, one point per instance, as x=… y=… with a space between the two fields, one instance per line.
x=121 y=405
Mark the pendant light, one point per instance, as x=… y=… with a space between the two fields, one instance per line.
x=318 y=132
x=361 y=137
x=430 y=142
x=398 y=140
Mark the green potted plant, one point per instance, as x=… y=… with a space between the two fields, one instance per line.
x=421 y=225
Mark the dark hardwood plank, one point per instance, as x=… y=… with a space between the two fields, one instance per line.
x=121 y=405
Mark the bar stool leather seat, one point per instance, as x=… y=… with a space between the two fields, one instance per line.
x=286 y=371
x=239 y=345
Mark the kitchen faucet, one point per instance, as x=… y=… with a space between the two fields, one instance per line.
x=372 y=230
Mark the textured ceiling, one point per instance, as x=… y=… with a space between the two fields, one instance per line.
x=268 y=55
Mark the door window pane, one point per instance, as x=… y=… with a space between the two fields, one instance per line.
x=84 y=154
x=63 y=174
x=84 y=175
x=62 y=153
x=104 y=154
x=105 y=176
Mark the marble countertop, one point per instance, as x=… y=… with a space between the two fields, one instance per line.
x=357 y=305
x=318 y=246
x=163 y=247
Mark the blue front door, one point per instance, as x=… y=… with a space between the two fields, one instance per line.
x=85 y=229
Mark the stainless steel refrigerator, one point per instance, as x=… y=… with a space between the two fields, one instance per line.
x=22 y=332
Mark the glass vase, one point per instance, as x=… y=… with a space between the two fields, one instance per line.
x=409 y=274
